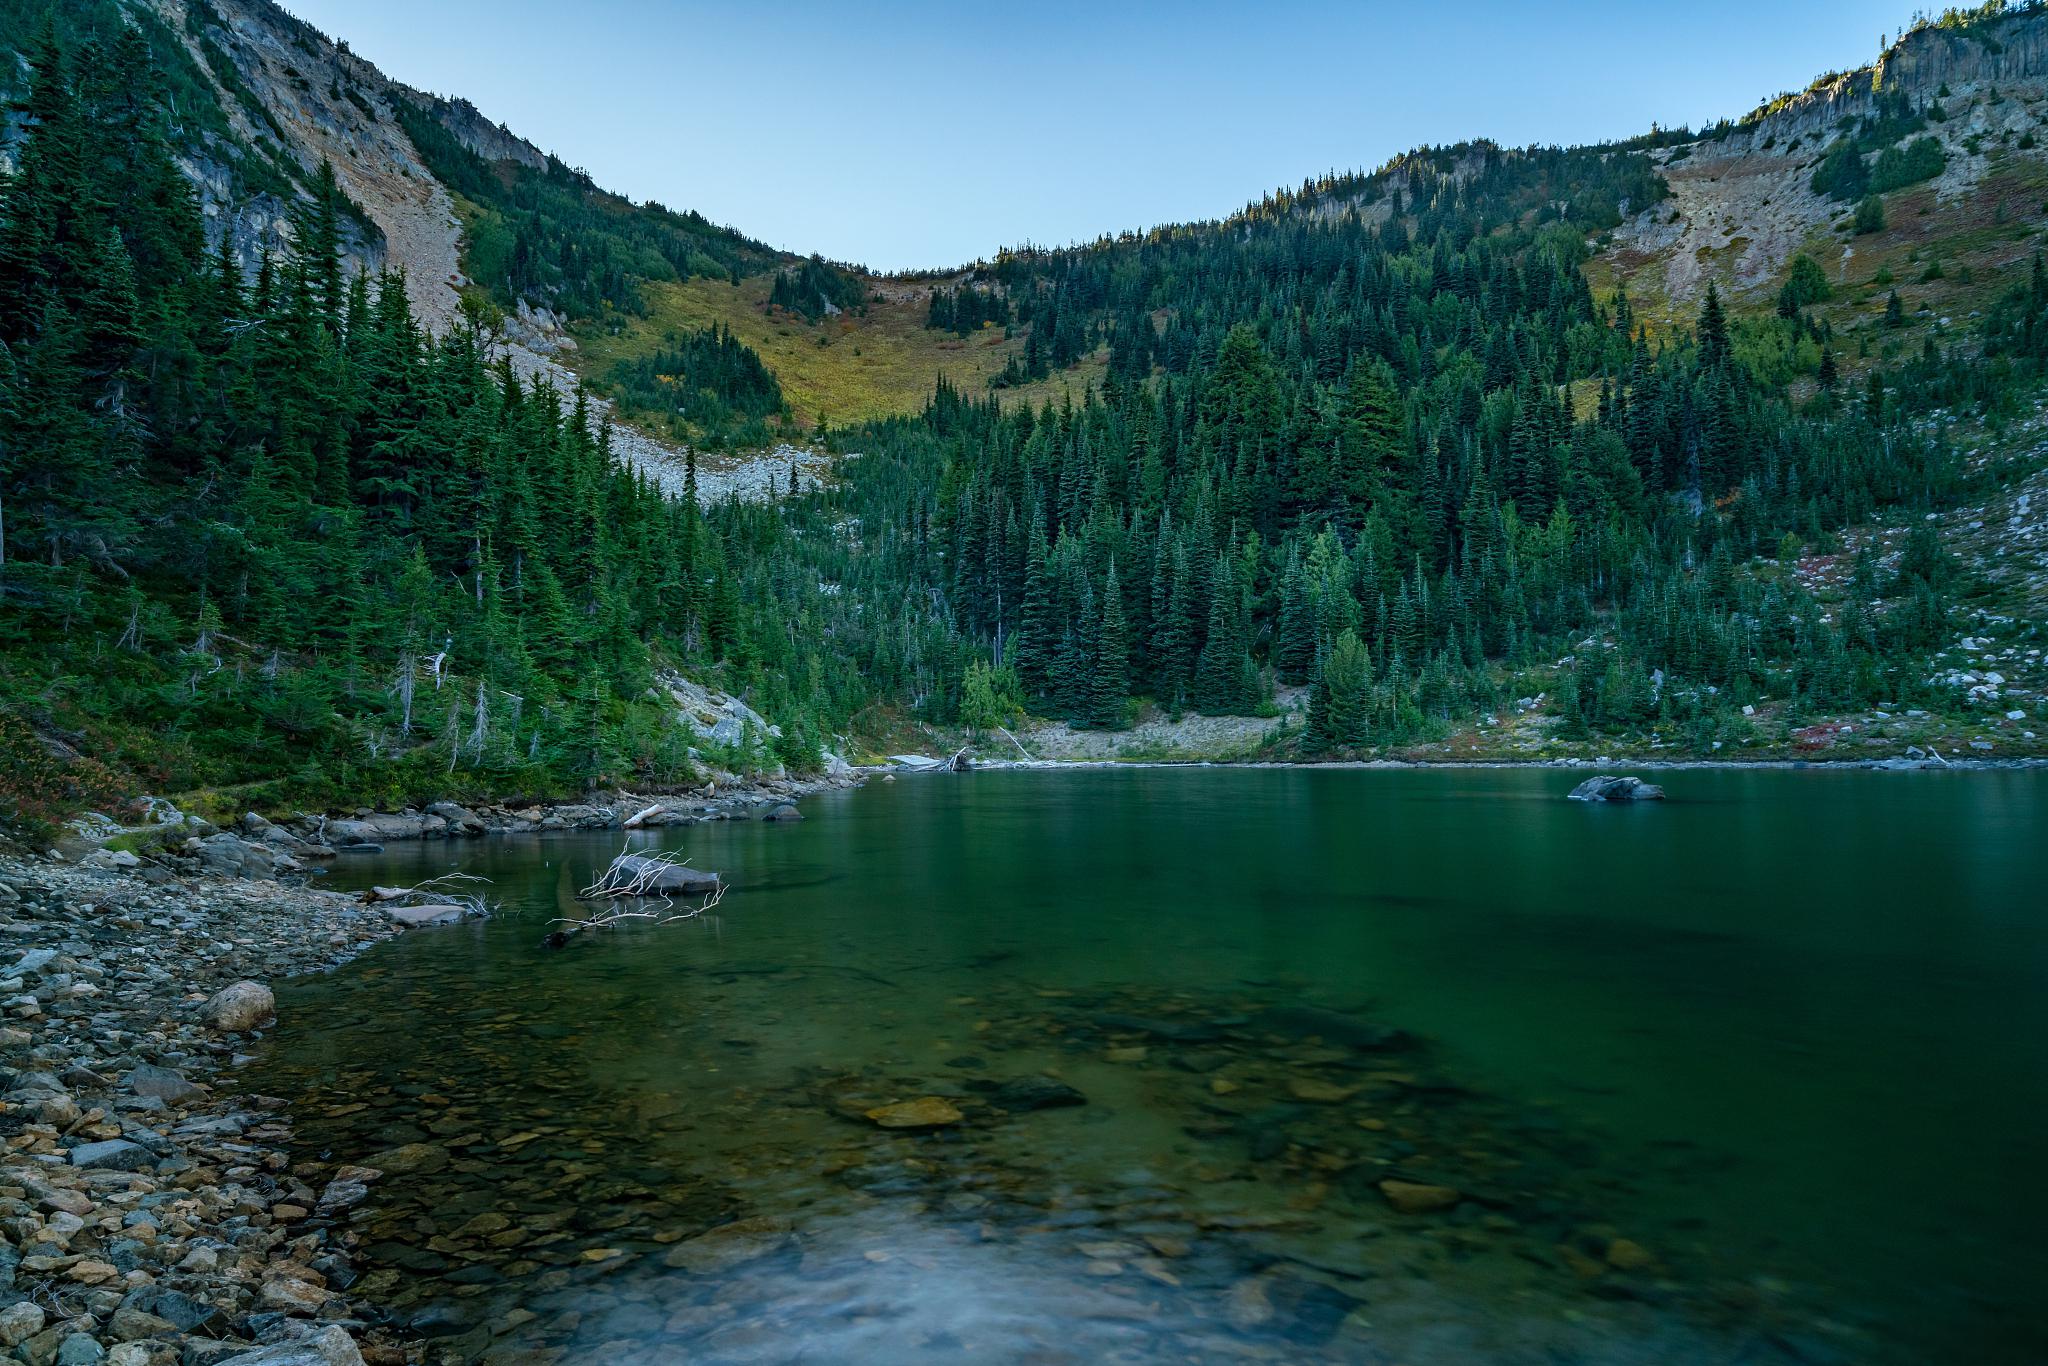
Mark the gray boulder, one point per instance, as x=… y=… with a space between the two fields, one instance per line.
x=230 y=856
x=1611 y=789
x=242 y=1006
x=164 y=1083
x=461 y=820
x=113 y=1155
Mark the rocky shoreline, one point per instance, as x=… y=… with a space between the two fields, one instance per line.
x=1892 y=765
x=145 y=1219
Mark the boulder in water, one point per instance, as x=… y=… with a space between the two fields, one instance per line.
x=673 y=880
x=1611 y=789
x=413 y=917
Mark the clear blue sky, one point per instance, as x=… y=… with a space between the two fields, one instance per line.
x=929 y=134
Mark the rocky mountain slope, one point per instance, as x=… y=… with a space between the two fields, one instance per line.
x=1742 y=205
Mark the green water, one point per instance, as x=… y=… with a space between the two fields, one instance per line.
x=1788 y=1032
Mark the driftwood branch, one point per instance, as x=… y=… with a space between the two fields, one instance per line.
x=635 y=887
x=437 y=891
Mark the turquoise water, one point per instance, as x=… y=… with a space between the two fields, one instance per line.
x=1785 y=1034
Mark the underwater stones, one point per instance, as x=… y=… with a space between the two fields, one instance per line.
x=1416 y=1197
x=1331 y=1026
x=1607 y=788
x=784 y=813
x=1626 y=1254
x=926 y=1112
x=1176 y=1031
x=729 y=1245
x=242 y=1006
x=1134 y=1053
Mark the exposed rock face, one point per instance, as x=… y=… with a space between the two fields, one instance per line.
x=242 y=1006
x=1742 y=204
x=1611 y=789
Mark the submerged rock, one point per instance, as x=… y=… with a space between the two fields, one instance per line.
x=1024 y=1094
x=1331 y=1026
x=1415 y=1197
x=414 y=917
x=926 y=1112
x=1607 y=788
x=670 y=880
x=729 y=1245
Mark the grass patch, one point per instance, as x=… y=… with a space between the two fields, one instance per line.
x=879 y=363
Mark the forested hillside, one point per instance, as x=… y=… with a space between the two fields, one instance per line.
x=266 y=529
x=1400 y=445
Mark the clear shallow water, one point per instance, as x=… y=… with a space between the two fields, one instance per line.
x=1787 y=1032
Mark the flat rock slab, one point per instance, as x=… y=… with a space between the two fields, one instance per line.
x=113 y=1155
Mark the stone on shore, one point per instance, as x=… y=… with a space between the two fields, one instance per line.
x=20 y=1322
x=243 y=1006
x=166 y=1084
x=1608 y=788
x=112 y=1155
x=331 y=1346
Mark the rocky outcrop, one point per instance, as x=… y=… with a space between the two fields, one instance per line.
x=1611 y=789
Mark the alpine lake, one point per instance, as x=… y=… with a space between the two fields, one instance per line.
x=1205 y=1064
